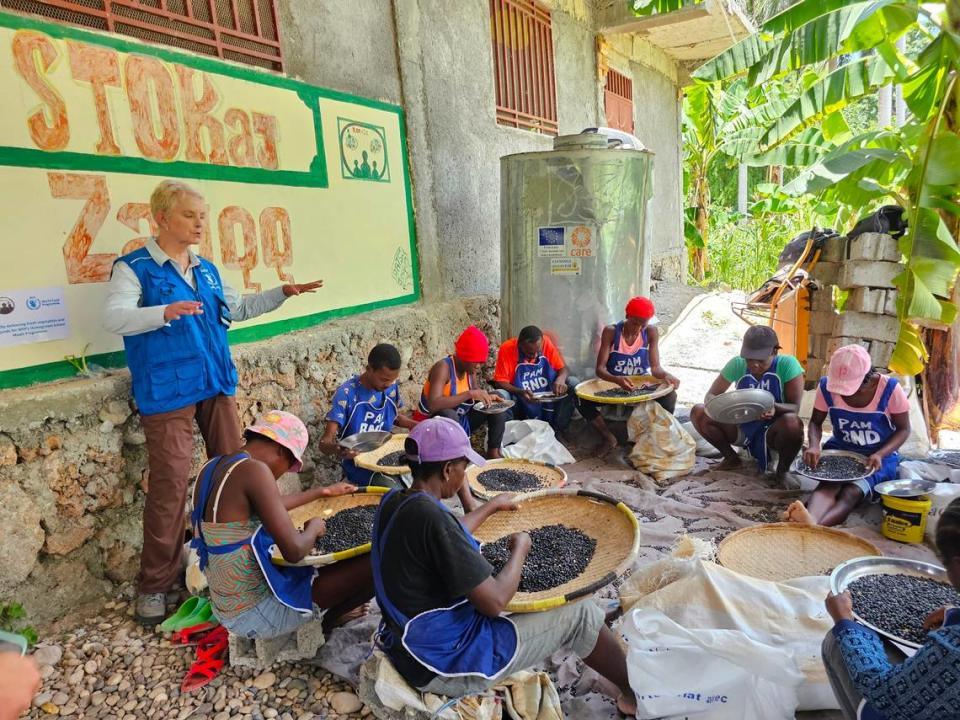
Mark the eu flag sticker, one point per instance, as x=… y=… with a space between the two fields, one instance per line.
x=551 y=242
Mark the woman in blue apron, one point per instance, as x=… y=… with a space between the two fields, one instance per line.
x=529 y=364
x=873 y=680
x=239 y=515
x=759 y=365
x=366 y=402
x=629 y=347
x=442 y=626
x=870 y=415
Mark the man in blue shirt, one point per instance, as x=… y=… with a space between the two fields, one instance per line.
x=366 y=402
x=873 y=682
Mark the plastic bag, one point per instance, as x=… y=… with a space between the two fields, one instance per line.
x=703 y=595
x=704 y=448
x=534 y=440
x=662 y=448
x=709 y=674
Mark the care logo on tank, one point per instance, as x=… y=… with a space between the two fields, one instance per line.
x=581 y=240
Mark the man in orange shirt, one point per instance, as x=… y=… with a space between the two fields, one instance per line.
x=528 y=366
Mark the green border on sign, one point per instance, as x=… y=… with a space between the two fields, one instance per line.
x=342 y=125
x=316 y=176
x=59 y=370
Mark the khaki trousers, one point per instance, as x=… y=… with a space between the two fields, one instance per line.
x=170 y=458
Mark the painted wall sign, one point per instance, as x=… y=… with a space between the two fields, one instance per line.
x=93 y=122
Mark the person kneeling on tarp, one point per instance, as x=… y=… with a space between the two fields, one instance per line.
x=870 y=415
x=530 y=363
x=364 y=403
x=873 y=681
x=239 y=513
x=442 y=606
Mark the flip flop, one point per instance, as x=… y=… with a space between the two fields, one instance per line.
x=195 y=634
x=202 y=613
x=209 y=663
x=185 y=611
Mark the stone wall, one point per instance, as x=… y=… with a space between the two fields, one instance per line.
x=72 y=454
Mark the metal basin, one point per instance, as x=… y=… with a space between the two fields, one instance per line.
x=365 y=441
x=740 y=406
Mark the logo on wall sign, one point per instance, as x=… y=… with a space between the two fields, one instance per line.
x=363 y=151
x=6 y=305
x=581 y=237
x=33 y=303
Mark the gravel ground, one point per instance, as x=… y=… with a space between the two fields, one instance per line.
x=110 y=667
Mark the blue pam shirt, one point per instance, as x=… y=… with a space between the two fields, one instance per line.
x=361 y=409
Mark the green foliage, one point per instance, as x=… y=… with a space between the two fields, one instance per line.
x=11 y=617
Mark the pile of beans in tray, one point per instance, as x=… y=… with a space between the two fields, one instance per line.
x=558 y=554
x=897 y=604
x=347 y=529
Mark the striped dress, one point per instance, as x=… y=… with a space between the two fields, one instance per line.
x=235 y=579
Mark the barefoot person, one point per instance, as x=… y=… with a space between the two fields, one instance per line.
x=629 y=347
x=238 y=513
x=872 y=680
x=443 y=626
x=759 y=365
x=870 y=415
x=531 y=363
x=173 y=312
x=451 y=391
x=366 y=402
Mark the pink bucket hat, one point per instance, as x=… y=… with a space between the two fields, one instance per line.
x=849 y=365
x=284 y=429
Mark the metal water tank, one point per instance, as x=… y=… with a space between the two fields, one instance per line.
x=573 y=241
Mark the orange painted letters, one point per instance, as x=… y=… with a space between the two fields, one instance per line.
x=34 y=54
x=82 y=267
x=100 y=67
x=230 y=217
x=274 y=227
x=142 y=73
x=196 y=116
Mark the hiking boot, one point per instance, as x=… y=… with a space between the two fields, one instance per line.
x=151 y=608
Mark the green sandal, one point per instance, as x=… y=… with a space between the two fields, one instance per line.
x=186 y=614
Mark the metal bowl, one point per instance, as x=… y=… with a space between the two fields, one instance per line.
x=905 y=488
x=740 y=406
x=547 y=397
x=365 y=441
x=846 y=572
x=795 y=467
x=499 y=406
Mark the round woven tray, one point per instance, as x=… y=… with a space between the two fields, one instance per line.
x=368 y=460
x=783 y=551
x=610 y=523
x=324 y=508
x=552 y=476
x=588 y=390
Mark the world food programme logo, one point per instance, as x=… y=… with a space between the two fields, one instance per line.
x=33 y=303
x=6 y=305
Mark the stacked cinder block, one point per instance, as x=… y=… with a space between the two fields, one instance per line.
x=261 y=654
x=865 y=267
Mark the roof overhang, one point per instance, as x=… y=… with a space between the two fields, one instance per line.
x=690 y=36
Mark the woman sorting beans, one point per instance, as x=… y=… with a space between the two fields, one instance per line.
x=630 y=347
x=238 y=514
x=873 y=681
x=442 y=625
x=870 y=416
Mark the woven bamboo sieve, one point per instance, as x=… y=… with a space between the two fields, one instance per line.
x=613 y=525
x=551 y=475
x=588 y=390
x=784 y=551
x=325 y=508
x=368 y=460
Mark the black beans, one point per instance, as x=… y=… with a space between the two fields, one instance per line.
x=558 y=554
x=897 y=604
x=394 y=459
x=501 y=479
x=833 y=467
x=347 y=529
x=495 y=407
x=619 y=392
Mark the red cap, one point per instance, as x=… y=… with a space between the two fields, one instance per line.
x=472 y=346
x=641 y=307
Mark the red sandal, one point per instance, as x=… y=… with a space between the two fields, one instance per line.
x=196 y=634
x=211 y=656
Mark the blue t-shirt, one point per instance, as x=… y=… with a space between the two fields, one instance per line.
x=361 y=409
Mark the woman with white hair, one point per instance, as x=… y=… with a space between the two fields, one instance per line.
x=173 y=312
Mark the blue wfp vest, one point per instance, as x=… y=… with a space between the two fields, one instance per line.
x=536 y=376
x=187 y=360
x=755 y=432
x=452 y=641
x=619 y=363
